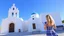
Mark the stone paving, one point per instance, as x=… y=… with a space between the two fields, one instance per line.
x=60 y=33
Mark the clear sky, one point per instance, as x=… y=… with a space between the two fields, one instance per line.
x=27 y=7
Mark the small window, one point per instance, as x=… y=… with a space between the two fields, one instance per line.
x=16 y=14
x=12 y=14
x=13 y=8
x=33 y=18
x=34 y=26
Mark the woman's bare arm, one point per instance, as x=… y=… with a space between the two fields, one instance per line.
x=45 y=26
x=54 y=26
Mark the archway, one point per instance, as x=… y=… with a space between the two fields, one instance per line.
x=11 y=27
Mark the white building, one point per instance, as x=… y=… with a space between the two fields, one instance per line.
x=36 y=22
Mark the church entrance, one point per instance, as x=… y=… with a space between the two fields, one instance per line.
x=11 y=27
x=34 y=26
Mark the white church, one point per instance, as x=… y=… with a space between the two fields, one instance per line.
x=35 y=23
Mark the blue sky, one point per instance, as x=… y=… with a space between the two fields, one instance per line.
x=27 y=7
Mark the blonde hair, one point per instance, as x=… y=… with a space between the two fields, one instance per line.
x=51 y=19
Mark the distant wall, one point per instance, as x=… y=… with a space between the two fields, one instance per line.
x=55 y=15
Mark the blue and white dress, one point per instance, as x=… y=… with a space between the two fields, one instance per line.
x=50 y=31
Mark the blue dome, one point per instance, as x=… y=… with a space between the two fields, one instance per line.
x=33 y=13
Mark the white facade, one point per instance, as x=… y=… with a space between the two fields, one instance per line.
x=35 y=23
x=35 y=19
x=13 y=17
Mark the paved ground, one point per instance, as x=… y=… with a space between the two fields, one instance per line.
x=60 y=34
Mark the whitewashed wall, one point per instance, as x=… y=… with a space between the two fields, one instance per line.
x=55 y=15
x=5 y=24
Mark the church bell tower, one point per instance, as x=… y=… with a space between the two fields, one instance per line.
x=13 y=12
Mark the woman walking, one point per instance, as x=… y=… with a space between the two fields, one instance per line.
x=50 y=26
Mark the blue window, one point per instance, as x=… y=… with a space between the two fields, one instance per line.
x=16 y=14
x=12 y=14
x=33 y=18
x=13 y=8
